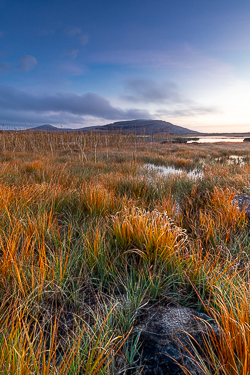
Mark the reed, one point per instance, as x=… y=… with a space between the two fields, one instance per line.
x=89 y=238
x=152 y=234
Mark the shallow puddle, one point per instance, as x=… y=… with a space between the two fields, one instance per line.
x=166 y=171
x=233 y=160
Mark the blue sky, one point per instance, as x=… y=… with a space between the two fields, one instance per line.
x=81 y=63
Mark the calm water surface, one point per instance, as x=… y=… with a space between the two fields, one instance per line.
x=215 y=140
x=165 y=171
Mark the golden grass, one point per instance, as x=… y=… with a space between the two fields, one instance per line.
x=151 y=234
x=82 y=223
x=218 y=217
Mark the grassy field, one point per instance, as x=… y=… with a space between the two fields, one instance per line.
x=89 y=237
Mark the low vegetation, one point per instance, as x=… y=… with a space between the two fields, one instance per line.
x=89 y=239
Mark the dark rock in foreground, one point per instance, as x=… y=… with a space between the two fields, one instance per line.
x=166 y=342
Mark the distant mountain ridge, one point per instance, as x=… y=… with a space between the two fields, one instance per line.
x=148 y=127
x=49 y=128
x=136 y=126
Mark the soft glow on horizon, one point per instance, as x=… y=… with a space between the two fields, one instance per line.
x=93 y=63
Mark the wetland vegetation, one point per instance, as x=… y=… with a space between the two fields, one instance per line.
x=91 y=240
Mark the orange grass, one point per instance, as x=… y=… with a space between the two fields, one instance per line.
x=27 y=348
x=76 y=211
x=218 y=219
x=98 y=201
x=153 y=233
x=228 y=350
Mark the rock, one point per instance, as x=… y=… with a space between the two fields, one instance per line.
x=243 y=203
x=165 y=333
x=165 y=141
x=179 y=141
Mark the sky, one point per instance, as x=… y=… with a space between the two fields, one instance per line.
x=77 y=63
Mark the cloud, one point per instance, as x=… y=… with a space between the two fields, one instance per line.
x=149 y=91
x=27 y=63
x=166 y=95
x=84 y=39
x=71 y=68
x=75 y=31
x=188 y=111
x=61 y=104
x=178 y=58
x=29 y=119
x=73 y=53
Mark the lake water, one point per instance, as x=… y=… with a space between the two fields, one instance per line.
x=233 y=160
x=166 y=171
x=217 y=139
x=194 y=173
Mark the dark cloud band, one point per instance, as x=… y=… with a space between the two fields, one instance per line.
x=89 y=104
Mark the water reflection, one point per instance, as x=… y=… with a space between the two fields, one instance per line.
x=215 y=140
x=233 y=160
x=166 y=171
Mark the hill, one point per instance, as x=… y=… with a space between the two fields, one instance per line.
x=135 y=126
x=144 y=126
x=49 y=128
